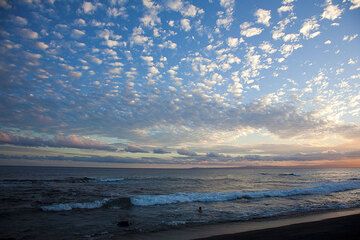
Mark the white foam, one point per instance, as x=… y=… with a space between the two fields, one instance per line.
x=110 y=179
x=316 y=189
x=70 y=206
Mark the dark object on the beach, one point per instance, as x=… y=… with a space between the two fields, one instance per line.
x=200 y=210
x=124 y=223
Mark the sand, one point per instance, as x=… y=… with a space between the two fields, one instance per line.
x=327 y=225
x=331 y=229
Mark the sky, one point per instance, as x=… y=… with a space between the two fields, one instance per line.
x=175 y=83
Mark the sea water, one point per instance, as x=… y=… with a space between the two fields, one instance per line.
x=87 y=203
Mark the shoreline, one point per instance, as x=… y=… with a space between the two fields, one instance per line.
x=252 y=228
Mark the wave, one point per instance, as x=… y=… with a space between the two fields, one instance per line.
x=316 y=189
x=110 y=179
x=149 y=200
x=75 y=205
x=65 y=180
x=106 y=203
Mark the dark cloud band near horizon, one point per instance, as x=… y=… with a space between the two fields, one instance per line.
x=59 y=141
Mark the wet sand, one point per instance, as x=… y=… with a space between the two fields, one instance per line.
x=331 y=229
x=327 y=225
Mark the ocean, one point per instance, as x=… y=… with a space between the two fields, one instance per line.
x=89 y=203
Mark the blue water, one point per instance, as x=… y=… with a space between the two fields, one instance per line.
x=89 y=202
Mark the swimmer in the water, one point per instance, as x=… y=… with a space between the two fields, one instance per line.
x=200 y=209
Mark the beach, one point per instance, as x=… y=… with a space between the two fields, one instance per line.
x=335 y=228
x=326 y=225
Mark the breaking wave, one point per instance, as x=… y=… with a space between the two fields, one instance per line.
x=317 y=189
x=71 y=206
x=149 y=200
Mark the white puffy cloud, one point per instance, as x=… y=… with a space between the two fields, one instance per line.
x=185 y=24
x=286 y=7
x=80 y=22
x=148 y=59
x=171 y=23
x=352 y=61
x=234 y=42
x=185 y=8
x=138 y=38
x=111 y=43
x=267 y=47
x=310 y=28
x=96 y=60
x=168 y=44
x=20 y=21
x=117 y=12
x=331 y=12
x=75 y=74
x=355 y=4
x=42 y=45
x=287 y=49
x=263 y=16
x=248 y=31
x=225 y=19
x=292 y=37
x=76 y=33
x=88 y=7
x=349 y=38
x=27 y=33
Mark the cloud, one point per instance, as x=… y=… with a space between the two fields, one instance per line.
x=286 y=7
x=185 y=24
x=248 y=31
x=234 y=42
x=117 y=12
x=20 y=21
x=267 y=47
x=135 y=149
x=75 y=74
x=168 y=44
x=42 y=45
x=287 y=49
x=59 y=141
x=355 y=4
x=331 y=12
x=185 y=8
x=88 y=7
x=215 y=158
x=5 y=4
x=138 y=38
x=214 y=155
x=88 y=159
x=310 y=28
x=225 y=19
x=349 y=38
x=76 y=33
x=160 y=151
x=28 y=33
x=263 y=16
x=186 y=152
x=96 y=60
x=80 y=22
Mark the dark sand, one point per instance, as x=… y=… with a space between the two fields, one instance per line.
x=339 y=225
x=347 y=227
